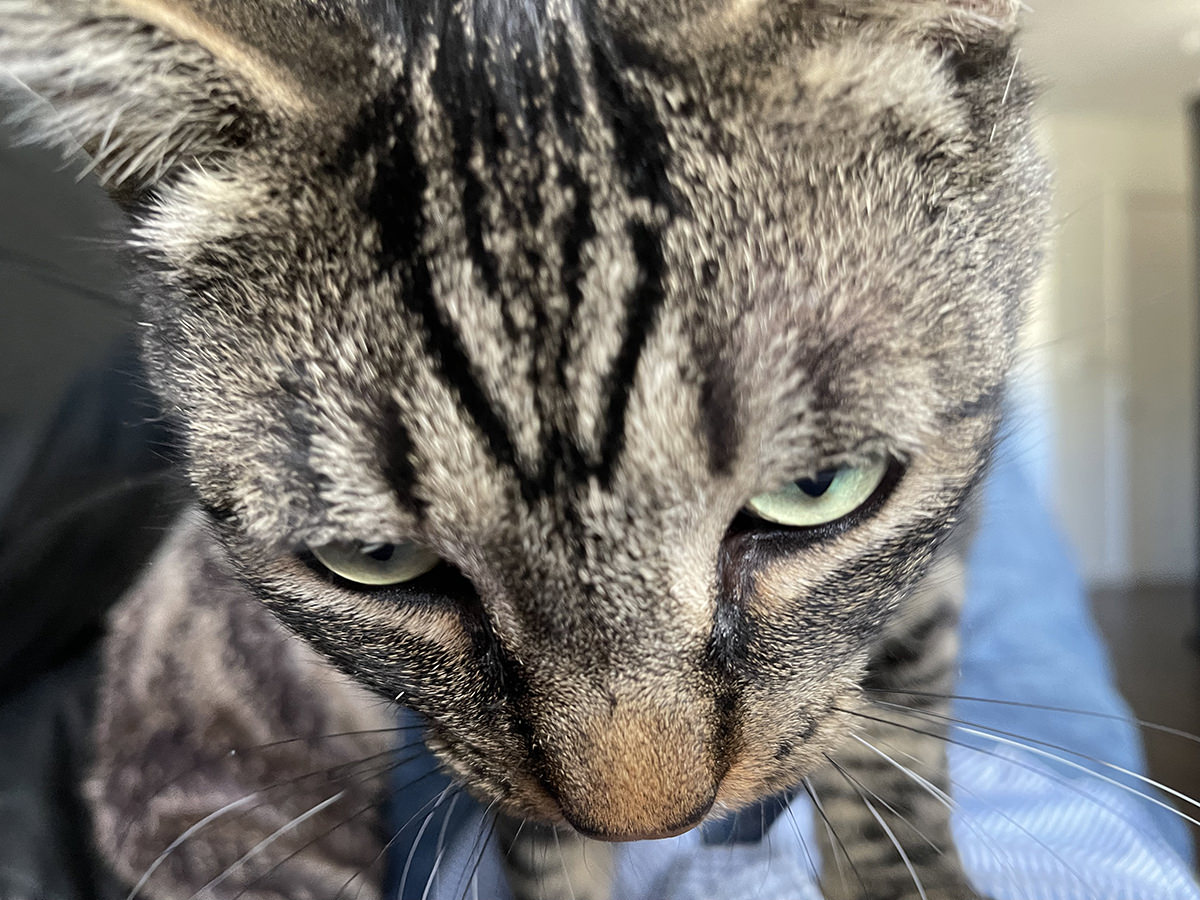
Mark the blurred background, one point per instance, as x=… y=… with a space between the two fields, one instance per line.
x=1108 y=388
x=1110 y=427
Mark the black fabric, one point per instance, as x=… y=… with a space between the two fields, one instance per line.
x=85 y=513
x=45 y=847
x=82 y=517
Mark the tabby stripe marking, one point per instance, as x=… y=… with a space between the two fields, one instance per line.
x=641 y=319
x=398 y=452
x=396 y=203
x=641 y=152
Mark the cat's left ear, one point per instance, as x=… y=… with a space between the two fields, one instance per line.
x=148 y=87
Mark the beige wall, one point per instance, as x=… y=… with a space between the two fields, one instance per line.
x=1113 y=346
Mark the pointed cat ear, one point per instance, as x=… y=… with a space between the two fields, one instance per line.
x=969 y=21
x=148 y=85
x=704 y=28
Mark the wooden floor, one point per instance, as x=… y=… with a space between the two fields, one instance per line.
x=1151 y=635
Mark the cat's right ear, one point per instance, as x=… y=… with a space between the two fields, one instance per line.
x=147 y=86
x=971 y=22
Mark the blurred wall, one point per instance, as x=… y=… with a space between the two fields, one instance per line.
x=1115 y=345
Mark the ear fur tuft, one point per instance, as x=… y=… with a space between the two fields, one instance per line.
x=969 y=21
x=705 y=30
x=146 y=86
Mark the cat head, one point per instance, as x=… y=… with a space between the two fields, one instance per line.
x=597 y=378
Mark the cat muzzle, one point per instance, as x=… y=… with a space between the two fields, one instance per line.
x=633 y=773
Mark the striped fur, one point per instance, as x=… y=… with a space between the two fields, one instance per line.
x=553 y=288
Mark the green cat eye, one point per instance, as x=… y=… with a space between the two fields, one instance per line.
x=376 y=564
x=827 y=497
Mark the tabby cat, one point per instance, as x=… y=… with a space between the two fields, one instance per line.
x=603 y=380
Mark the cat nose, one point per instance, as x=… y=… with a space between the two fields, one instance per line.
x=625 y=832
x=634 y=773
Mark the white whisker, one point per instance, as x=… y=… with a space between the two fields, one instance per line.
x=835 y=840
x=886 y=830
x=179 y=841
x=268 y=840
x=1033 y=745
x=441 y=847
x=949 y=803
x=412 y=851
x=562 y=859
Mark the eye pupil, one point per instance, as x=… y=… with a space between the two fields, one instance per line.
x=816 y=487
x=379 y=552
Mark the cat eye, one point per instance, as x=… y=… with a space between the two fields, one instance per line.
x=376 y=565
x=830 y=495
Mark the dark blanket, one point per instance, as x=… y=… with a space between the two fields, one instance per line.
x=81 y=515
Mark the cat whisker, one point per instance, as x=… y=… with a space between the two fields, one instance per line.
x=813 y=868
x=853 y=782
x=296 y=779
x=1034 y=745
x=309 y=844
x=482 y=850
x=933 y=845
x=1121 y=317
x=36 y=531
x=183 y=838
x=763 y=830
x=46 y=272
x=1007 y=90
x=924 y=783
x=835 y=840
x=1049 y=775
x=245 y=804
x=312 y=773
x=267 y=842
x=391 y=842
x=563 y=859
x=346 y=821
x=361 y=811
x=515 y=837
x=950 y=804
x=412 y=851
x=441 y=845
x=1093 y=714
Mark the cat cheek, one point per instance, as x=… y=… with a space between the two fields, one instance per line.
x=774 y=752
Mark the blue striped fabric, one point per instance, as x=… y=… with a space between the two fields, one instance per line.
x=1034 y=821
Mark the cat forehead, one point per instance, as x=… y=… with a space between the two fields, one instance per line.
x=606 y=278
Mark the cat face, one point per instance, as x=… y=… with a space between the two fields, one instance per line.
x=549 y=312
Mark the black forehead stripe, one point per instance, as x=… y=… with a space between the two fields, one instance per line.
x=296 y=428
x=467 y=110
x=640 y=138
x=641 y=152
x=719 y=415
x=642 y=310
x=566 y=102
x=395 y=201
x=986 y=403
x=397 y=455
x=396 y=204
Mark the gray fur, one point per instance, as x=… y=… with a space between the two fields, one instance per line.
x=556 y=307
x=210 y=706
